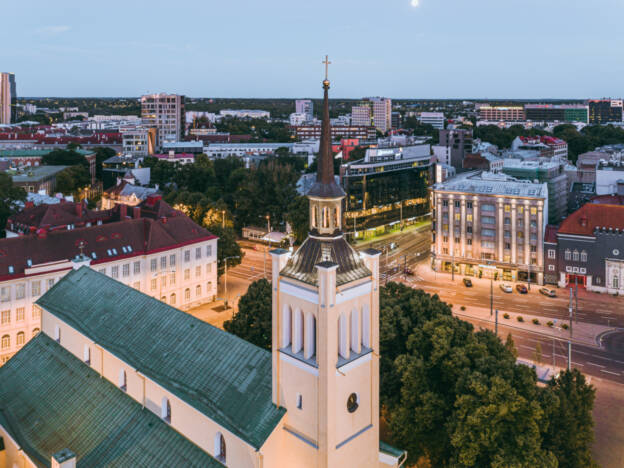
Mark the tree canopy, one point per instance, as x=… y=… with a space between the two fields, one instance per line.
x=252 y=321
x=10 y=198
x=456 y=397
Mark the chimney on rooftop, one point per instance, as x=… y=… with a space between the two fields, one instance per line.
x=64 y=459
x=136 y=212
x=123 y=211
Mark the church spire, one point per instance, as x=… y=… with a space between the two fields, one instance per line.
x=325 y=186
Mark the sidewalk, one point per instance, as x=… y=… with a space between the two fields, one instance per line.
x=582 y=333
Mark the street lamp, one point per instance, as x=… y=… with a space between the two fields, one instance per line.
x=491 y=269
x=225 y=260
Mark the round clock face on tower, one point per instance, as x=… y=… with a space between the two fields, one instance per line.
x=352 y=403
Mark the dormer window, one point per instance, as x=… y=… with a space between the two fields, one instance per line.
x=29 y=262
x=11 y=269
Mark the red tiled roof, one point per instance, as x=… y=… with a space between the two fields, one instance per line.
x=52 y=216
x=591 y=215
x=143 y=235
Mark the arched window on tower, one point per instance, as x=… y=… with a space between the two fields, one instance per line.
x=297 y=331
x=172 y=299
x=336 y=225
x=366 y=326
x=325 y=217
x=286 y=326
x=355 y=331
x=314 y=216
x=310 y=336
x=343 y=336
x=219 y=447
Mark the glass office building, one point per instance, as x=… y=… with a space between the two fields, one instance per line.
x=386 y=190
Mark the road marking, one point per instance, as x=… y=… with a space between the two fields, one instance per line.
x=609 y=372
x=594 y=364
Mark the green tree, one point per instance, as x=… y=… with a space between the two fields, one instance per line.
x=102 y=153
x=11 y=198
x=72 y=179
x=299 y=218
x=64 y=157
x=227 y=246
x=495 y=425
x=571 y=432
x=252 y=322
x=537 y=354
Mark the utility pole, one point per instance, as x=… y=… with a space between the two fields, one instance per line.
x=453 y=265
x=226 y=264
x=576 y=299
x=496 y=324
x=570 y=340
x=491 y=293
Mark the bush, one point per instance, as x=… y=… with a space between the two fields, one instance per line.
x=565 y=326
x=506 y=315
x=463 y=307
x=535 y=321
x=549 y=323
x=519 y=318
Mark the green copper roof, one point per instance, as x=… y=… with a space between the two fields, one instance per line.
x=29 y=153
x=50 y=401
x=219 y=374
x=390 y=450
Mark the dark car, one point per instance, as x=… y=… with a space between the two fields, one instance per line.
x=467 y=283
x=408 y=271
x=521 y=288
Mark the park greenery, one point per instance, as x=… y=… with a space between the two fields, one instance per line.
x=453 y=396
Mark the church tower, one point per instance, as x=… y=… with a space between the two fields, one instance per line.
x=326 y=334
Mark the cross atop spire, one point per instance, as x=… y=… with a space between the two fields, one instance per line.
x=327 y=64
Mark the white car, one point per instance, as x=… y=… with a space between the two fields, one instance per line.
x=506 y=287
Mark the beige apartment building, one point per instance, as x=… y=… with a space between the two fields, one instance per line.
x=489 y=224
x=166 y=113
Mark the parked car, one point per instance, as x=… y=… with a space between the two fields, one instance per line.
x=506 y=287
x=467 y=283
x=548 y=292
x=521 y=288
x=408 y=271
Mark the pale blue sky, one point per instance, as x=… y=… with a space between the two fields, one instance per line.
x=273 y=48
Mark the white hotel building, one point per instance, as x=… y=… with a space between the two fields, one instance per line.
x=162 y=253
x=485 y=223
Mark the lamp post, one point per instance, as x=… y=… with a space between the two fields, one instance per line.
x=529 y=275
x=491 y=269
x=225 y=260
x=268 y=240
x=223 y=219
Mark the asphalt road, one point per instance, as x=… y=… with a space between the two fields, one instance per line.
x=412 y=249
x=592 y=361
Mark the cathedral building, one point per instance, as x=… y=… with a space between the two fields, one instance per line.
x=118 y=378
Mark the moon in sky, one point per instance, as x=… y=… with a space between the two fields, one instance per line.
x=415 y=3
